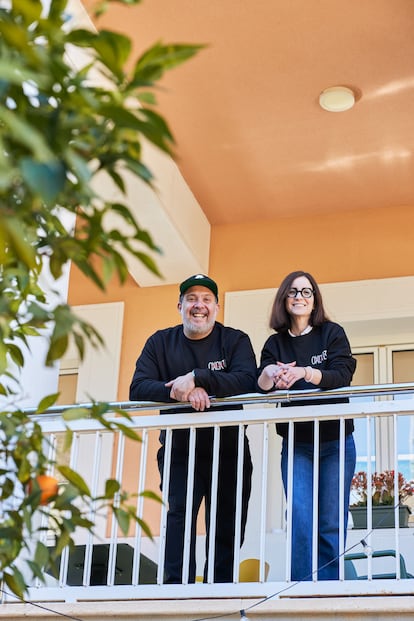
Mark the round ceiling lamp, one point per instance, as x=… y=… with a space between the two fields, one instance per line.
x=337 y=99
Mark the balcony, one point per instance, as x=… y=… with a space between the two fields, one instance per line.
x=112 y=576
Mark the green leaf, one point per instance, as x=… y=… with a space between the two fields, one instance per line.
x=80 y=345
x=41 y=554
x=17 y=73
x=108 y=268
x=147 y=98
x=158 y=58
x=123 y=518
x=26 y=134
x=13 y=34
x=75 y=478
x=139 y=169
x=47 y=402
x=151 y=495
x=68 y=438
x=63 y=540
x=3 y=357
x=15 y=581
x=149 y=262
x=129 y=432
x=16 y=354
x=75 y=413
x=112 y=486
x=37 y=570
x=102 y=6
x=78 y=164
x=44 y=178
x=144 y=527
x=57 y=349
x=31 y=10
x=16 y=231
x=112 y=48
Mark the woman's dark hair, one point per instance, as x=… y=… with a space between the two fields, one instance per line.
x=280 y=319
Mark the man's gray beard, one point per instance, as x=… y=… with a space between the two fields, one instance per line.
x=197 y=330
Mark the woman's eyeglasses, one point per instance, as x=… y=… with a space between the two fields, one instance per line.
x=306 y=292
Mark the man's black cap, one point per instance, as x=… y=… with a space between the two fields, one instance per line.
x=199 y=280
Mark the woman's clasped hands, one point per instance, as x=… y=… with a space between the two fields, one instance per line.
x=282 y=375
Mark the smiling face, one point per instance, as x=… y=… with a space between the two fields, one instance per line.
x=299 y=307
x=198 y=308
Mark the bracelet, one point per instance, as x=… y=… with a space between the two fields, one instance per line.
x=310 y=377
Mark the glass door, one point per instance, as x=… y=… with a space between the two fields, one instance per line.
x=366 y=374
x=402 y=367
x=383 y=365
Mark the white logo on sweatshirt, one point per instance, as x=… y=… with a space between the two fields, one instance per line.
x=217 y=365
x=319 y=358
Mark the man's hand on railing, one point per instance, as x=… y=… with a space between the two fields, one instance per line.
x=181 y=386
x=199 y=399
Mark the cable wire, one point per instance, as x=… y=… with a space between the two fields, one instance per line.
x=243 y=611
x=41 y=606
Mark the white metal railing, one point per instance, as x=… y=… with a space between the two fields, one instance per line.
x=132 y=567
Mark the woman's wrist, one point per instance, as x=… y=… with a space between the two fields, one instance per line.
x=308 y=377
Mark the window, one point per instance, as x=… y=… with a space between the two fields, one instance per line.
x=403 y=371
x=385 y=364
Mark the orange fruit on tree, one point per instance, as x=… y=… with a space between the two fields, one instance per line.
x=48 y=486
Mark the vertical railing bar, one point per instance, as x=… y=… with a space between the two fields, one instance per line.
x=64 y=559
x=140 y=506
x=211 y=552
x=369 y=498
x=315 y=502
x=113 y=546
x=239 y=489
x=289 y=500
x=92 y=514
x=396 y=499
x=164 y=508
x=341 y=503
x=189 y=505
x=265 y=464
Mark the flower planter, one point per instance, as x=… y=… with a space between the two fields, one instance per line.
x=382 y=516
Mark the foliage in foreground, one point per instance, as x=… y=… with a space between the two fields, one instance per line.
x=58 y=129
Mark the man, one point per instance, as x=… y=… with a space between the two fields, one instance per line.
x=191 y=362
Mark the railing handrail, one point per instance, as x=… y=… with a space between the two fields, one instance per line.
x=276 y=397
x=52 y=418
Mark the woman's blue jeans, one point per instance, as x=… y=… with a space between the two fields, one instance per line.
x=328 y=506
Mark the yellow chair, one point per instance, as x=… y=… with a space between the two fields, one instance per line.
x=249 y=570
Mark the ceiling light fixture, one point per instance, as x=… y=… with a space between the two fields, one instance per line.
x=337 y=99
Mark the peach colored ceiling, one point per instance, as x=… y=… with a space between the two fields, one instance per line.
x=252 y=141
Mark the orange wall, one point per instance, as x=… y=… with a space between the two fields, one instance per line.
x=376 y=243
x=357 y=245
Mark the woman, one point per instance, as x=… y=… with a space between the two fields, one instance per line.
x=309 y=351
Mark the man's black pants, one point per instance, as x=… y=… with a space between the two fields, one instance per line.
x=226 y=506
